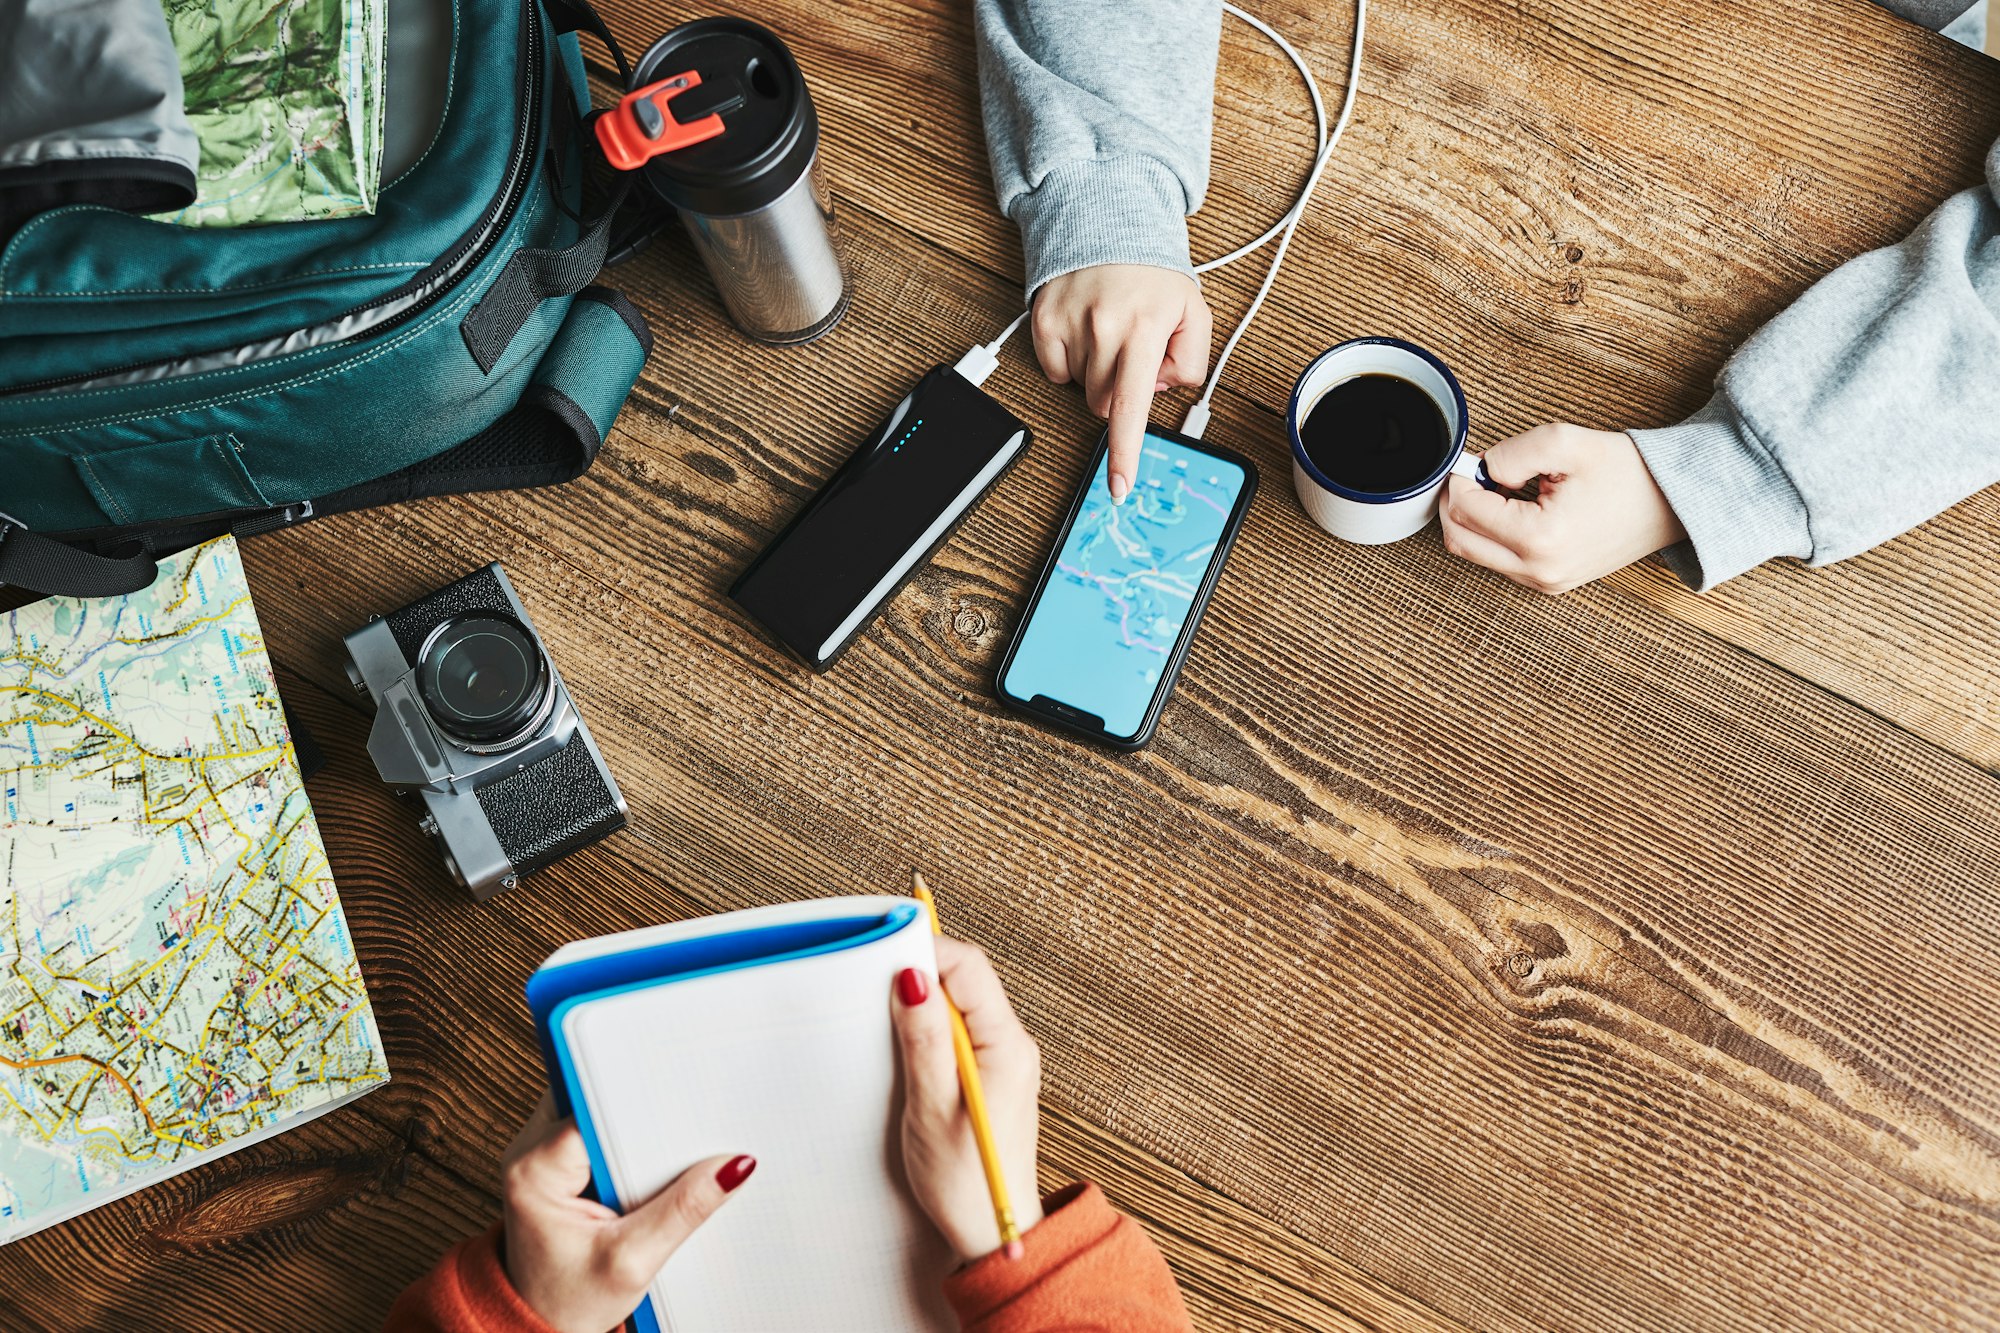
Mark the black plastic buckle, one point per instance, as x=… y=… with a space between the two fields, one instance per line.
x=273 y=519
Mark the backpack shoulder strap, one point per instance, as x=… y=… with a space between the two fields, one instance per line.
x=42 y=564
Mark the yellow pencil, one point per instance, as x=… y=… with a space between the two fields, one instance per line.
x=975 y=1098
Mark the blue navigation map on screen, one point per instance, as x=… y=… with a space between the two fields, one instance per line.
x=1124 y=585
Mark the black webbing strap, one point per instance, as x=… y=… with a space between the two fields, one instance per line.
x=42 y=564
x=532 y=276
x=579 y=16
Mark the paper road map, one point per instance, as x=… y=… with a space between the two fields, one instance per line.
x=176 y=978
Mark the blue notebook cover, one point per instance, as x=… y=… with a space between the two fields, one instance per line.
x=558 y=987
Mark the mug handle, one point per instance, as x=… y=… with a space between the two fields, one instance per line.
x=1473 y=468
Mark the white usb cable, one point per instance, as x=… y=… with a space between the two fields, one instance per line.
x=1196 y=420
x=1319 y=140
x=979 y=361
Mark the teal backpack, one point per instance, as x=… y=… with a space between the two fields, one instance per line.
x=160 y=385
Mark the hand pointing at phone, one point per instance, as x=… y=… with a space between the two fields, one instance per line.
x=1124 y=332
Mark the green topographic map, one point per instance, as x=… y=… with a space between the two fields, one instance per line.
x=286 y=97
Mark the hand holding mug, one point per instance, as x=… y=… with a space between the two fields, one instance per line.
x=1597 y=509
x=939 y=1151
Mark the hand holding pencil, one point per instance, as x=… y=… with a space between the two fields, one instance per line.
x=940 y=1149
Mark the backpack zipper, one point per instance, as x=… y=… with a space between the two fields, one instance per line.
x=389 y=311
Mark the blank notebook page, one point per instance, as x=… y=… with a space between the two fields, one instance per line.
x=794 y=1063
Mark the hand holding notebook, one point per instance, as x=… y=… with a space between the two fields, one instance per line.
x=772 y=1033
x=577 y=1263
x=817 y=1246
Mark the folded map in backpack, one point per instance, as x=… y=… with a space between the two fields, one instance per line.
x=176 y=977
x=286 y=99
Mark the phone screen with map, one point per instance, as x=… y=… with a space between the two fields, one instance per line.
x=1119 y=600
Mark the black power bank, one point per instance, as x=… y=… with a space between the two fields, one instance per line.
x=824 y=578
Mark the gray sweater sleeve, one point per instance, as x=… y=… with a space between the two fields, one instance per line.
x=1870 y=405
x=1097 y=123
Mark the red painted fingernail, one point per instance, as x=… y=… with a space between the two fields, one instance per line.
x=735 y=1171
x=912 y=986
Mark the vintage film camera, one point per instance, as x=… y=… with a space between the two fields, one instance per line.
x=471 y=715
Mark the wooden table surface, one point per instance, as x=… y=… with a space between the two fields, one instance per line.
x=1457 y=958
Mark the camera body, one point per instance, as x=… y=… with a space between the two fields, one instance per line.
x=471 y=715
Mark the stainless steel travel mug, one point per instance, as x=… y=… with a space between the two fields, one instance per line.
x=751 y=197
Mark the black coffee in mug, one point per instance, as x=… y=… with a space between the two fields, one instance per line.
x=1375 y=433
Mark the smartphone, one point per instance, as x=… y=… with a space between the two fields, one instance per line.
x=878 y=519
x=1123 y=592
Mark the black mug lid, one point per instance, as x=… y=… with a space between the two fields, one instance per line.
x=768 y=137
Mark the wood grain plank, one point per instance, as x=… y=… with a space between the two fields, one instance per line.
x=1457 y=958
x=1221 y=1252
x=317 y=1229
x=1582 y=207
x=1577 y=936
x=401 y=1175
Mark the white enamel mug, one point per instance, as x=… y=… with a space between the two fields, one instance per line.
x=1368 y=517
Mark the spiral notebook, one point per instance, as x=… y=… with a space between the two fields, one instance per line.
x=768 y=1032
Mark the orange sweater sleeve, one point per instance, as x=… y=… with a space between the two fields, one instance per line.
x=1087 y=1267
x=468 y=1292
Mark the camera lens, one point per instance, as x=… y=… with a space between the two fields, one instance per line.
x=483 y=677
